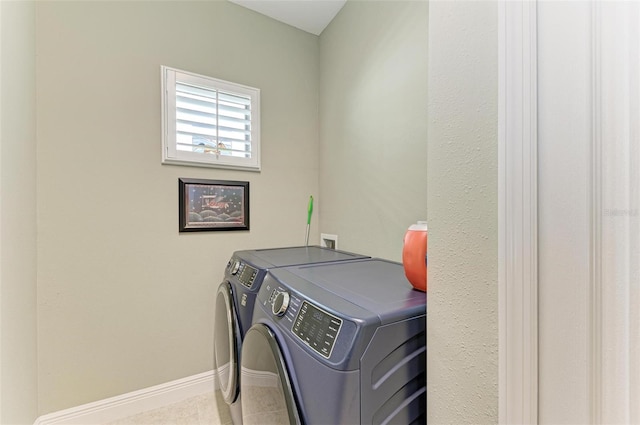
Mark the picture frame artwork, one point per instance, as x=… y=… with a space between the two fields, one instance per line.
x=213 y=205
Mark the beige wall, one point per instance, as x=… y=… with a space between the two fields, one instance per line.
x=18 y=362
x=462 y=316
x=373 y=127
x=125 y=301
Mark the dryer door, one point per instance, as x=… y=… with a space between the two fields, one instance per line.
x=267 y=396
x=226 y=340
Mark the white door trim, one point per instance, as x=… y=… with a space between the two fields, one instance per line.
x=595 y=249
x=517 y=213
x=614 y=323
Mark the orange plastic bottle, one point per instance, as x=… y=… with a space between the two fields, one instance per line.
x=414 y=255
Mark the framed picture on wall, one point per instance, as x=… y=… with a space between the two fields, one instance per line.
x=213 y=205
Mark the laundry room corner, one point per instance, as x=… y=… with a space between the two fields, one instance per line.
x=123 y=300
x=18 y=203
x=373 y=124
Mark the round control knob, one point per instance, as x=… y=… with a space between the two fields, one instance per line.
x=280 y=304
x=235 y=267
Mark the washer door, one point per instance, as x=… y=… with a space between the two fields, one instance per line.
x=226 y=341
x=267 y=396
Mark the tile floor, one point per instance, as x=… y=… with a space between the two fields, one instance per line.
x=268 y=406
x=200 y=410
x=203 y=410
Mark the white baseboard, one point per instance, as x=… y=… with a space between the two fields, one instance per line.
x=122 y=406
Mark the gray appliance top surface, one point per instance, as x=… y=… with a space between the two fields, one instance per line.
x=291 y=256
x=373 y=287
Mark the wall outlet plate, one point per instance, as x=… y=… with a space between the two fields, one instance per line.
x=329 y=241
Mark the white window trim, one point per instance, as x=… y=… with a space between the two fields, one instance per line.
x=168 y=95
x=517 y=213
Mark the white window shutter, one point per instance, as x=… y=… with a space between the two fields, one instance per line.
x=210 y=122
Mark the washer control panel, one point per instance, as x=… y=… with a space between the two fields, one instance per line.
x=317 y=328
x=245 y=274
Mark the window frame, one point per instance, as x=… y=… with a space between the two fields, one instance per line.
x=170 y=153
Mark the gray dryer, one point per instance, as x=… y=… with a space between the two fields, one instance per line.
x=341 y=343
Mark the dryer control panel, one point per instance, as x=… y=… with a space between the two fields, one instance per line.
x=308 y=322
x=317 y=328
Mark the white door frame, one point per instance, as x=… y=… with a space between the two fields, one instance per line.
x=517 y=213
x=518 y=208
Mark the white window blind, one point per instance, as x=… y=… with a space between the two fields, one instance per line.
x=209 y=122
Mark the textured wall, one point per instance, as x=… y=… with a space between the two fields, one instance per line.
x=18 y=362
x=373 y=127
x=462 y=317
x=125 y=301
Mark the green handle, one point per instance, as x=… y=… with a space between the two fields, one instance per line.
x=310 y=209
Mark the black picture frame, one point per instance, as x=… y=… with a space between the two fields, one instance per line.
x=212 y=205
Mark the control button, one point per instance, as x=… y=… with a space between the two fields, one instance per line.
x=235 y=267
x=280 y=304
